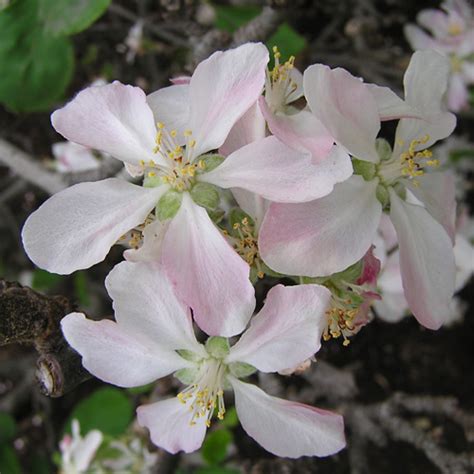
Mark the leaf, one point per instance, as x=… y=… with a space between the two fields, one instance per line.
x=9 y=461
x=7 y=427
x=231 y=17
x=36 y=68
x=43 y=280
x=107 y=409
x=214 y=448
x=67 y=17
x=288 y=41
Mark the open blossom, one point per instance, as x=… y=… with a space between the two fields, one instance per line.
x=165 y=138
x=451 y=32
x=153 y=336
x=327 y=235
x=77 y=452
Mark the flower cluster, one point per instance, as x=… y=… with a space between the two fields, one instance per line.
x=301 y=156
x=451 y=32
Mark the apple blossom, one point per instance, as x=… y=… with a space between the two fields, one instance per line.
x=307 y=239
x=78 y=452
x=452 y=34
x=153 y=336
x=71 y=157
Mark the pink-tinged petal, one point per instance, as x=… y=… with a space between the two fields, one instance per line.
x=279 y=173
x=321 y=237
x=285 y=428
x=426 y=81
x=370 y=268
x=388 y=232
x=458 y=94
x=392 y=308
x=426 y=262
x=222 y=88
x=301 y=131
x=117 y=355
x=346 y=107
x=435 y=21
x=464 y=258
x=390 y=106
x=419 y=39
x=114 y=118
x=437 y=191
x=286 y=331
x=249 y=128
x=180 y=80
x=467 y=45
x=169 y=425
x=75 y=228
x=208 y=274
x=144 y=301
x=170 y=105
x=150 y=251
x=467 y=71
x=85 y=451
x=72 y=157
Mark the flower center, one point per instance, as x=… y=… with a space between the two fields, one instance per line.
x=340 y=320
x=454 y=29
x=206 y=393
x=279 y=85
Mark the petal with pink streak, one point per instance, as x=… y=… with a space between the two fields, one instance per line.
x=208 y=274
x=222 y=88
x=144 y=301
x=279 y=173
x=324 y=236
x=346 y=107
x=75 y=228
x=437 y=191
x=286 y=331
x=170 y=105
x=114 y=118
x=301 y=131
x=426 y=262
x=285 y=428
x=116 y=355
x=169 y=425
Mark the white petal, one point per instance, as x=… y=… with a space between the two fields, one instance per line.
x=345 y=106
x=169 y=425
x=150 y=251
x=222 y=88
x=75 y=228
x=286 y=331
x=117 y=355
x=390 y=106
x=208 y=274
x=285 y=428
x=145 y=302
x=426 y=262
x=321 y=237
x=278 y=173
x=114 y=118
x=85 y=451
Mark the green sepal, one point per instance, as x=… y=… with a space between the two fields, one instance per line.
x=216 y=215
x=186 y=376
x=152 y=181
x=241 y=369
x=350 y=274
x=211 y=161
x=383 y=148
x=206 y=195
x=168 y=205
x=382 y=195
x=366 y=169
x=218 y=346
x=189 y=355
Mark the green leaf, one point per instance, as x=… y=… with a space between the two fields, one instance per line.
x=9 y=461
x=107 y=409
x=36 y=67
x=7 y=427
x=43 y=280
x=231 y=17
x=214 y=448
x=67 y=17
x=288 y=41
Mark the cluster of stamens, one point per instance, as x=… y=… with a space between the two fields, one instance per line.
x=340 y=320
x=134 y=238
x=180 y=175
x=413 y=161
x=246 y=245
x=206 y=394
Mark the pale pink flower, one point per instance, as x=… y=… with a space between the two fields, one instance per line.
x=449 y=31
x=77 y=452
x=71 y=157
x=153 y=336
x=325 y=236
